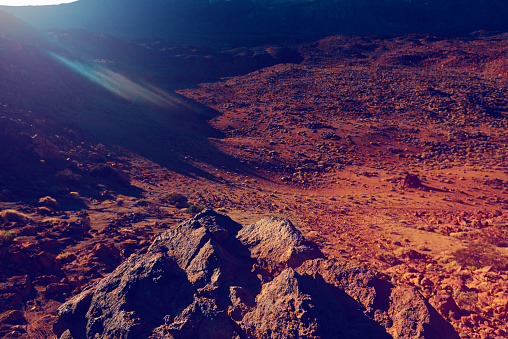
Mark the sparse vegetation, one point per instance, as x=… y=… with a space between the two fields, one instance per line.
x=44 y=210
x=48 y=202
x=402 y=252
x=66 y=257
x=51 y=220
x=105 y=171
x=497 y=236
x=481 y=254
x=407 y=253
x=6 y=237
x=194 y=209
x=391 y=122
x=14 y=216
x=467 y=300
x=176 y=199
x=68 y=176
x=74 y=195
x=181 y=201
x=388 y=258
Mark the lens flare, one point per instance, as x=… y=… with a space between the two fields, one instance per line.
x=119 y=84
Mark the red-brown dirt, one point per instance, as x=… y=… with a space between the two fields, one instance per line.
x=327 y=143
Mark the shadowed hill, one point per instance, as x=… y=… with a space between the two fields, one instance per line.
x=118 y=92
x=254 y=22
x=52 y=81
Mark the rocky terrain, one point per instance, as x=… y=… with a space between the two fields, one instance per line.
x=387 y=153
x=212 y=278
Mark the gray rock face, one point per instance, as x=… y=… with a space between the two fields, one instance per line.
x=211 y=278
x=276 y=244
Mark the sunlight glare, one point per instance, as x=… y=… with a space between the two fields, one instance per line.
x=119 y=84
x=34 y=2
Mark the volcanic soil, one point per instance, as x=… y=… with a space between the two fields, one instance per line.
x=389 y=151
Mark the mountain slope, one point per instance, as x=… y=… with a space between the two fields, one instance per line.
x=240 y=22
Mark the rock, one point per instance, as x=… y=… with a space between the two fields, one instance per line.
x=446 y=305
x=17 y=284
x=13 y=332
x=356 y=280
x=302 y=306
x=45 y=280
x=276 y=244
x=47 y=262
x=57 y=288
x=9 y=301
x=13 y=317
x=413 y=317
x=30 y=230
x=49 y=244
x=411 y=181
x=45 y=148
x=211 y=278
x=128 y=247
x=71 y=315
x=13 y=291
x=48 y=202
x=106 y=251
x=242 y=300
x=201 y=319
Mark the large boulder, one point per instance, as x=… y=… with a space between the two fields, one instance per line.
x=211 y=278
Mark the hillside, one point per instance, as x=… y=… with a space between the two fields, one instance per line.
x=373 y=157
x=250 y=22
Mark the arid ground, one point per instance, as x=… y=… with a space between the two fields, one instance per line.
x=388 y=151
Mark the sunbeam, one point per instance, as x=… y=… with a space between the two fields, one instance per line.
x=34 y=2
x=119 y=84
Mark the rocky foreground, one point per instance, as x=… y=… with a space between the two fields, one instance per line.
x=212 y=278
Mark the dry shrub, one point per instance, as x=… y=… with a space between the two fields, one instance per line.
x=51 y=221
x=68 y=176
x=66 y=257
x=176 y=199
x=497 y=236
x=481 y=254
x=467 y=300
x=44 y=210
x=13 y=216
x=74 y=195
x=407 y=253
x=48 y=201
x=6 y=237
x=107 y=172
x=194 y=209
x=39 y=327
x=388 y=258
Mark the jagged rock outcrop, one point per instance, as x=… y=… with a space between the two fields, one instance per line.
x=211 y=278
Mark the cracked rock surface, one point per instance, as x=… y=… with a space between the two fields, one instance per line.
x=212 y=278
